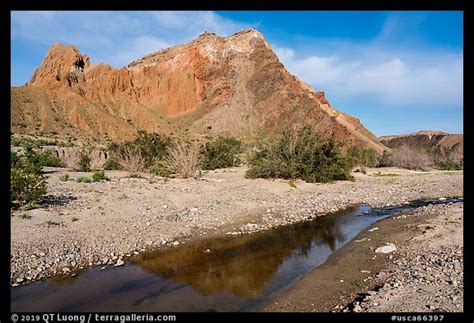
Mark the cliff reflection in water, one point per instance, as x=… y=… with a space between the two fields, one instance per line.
x=242 y=265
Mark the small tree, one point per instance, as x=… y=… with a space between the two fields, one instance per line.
x=27 y=181
x=221 y=153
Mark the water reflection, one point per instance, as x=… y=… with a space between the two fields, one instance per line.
x=242 y=265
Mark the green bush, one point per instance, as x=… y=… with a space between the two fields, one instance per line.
x=367 y=157
x=42 y=159
x=221 y=153
x=385 y=160
x=300 y=154
x=99 y=176
x=27 y=182
x=149 y=147
x=84 y=162
x=64 y=177
x=84 y=179
x=443 y=159
x=111 y=164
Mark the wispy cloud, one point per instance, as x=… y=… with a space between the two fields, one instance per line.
x=415 y=77
x=118 y=37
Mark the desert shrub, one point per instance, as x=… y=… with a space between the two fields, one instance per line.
x=42 y=159
x=149 y=147
x=99 y=176
x=300 y=153
x=131 y=159
x=84 y=160
x=27 y=181
x=112 y=164
x=182 y=158
x=385 y=160
x=64 y=177
x=84 y=179
x=411 y=158
x=443 y=159
x=367 y=157
x=221 y=152
x=48 y=159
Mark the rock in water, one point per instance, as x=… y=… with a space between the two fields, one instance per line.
x=119 y=263
x=386 y=249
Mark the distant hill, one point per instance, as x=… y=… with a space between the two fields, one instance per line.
x=427 y=139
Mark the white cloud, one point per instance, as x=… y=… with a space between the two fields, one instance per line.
x=381 y=74
x=196 y=22
x=117 y=38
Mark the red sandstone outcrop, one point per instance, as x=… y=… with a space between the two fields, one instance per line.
x=213 y=84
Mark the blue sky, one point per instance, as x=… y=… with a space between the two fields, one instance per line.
x=397 y=72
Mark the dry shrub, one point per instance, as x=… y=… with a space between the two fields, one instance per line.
x=411 y=158
x=183 y=158
x=131 y=159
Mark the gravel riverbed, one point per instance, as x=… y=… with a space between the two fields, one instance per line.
x=82 y=225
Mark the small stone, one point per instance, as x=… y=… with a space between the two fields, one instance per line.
x=165 y=206
x=342 y=280
x=386 y=249
x=42 y=254
x=119 y=263
x=365 y=271
x=175 y=243
x=194 y=209
x=20 y=280
x=15 y=285
x=66 y=270
x=207 y=251
x=373 y=229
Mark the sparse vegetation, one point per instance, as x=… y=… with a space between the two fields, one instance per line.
x=443 y=159
x=379 y=174
x=74 y=219
x=27 y=181
x=84 y=161
x=64 y=177
x=183 y=158
x=292 y=183
x=365 y=157
x=25 y=216
x=30 y=206
x=300 y=153
x=111 y=164
x=221 y=152
x=148 y=147
x=359 y=281
x=385 y=160
x=84 y=179
x=99 y=176
x=122 y=196
x=411 y=158
x=51 y=223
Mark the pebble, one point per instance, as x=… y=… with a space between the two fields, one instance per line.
x=386 y=249
x=119 y=263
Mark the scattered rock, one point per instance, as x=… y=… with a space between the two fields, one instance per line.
x=386 y=249
x=119 y=263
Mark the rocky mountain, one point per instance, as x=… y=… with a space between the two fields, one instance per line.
x=233 y=85
x=427 y=139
